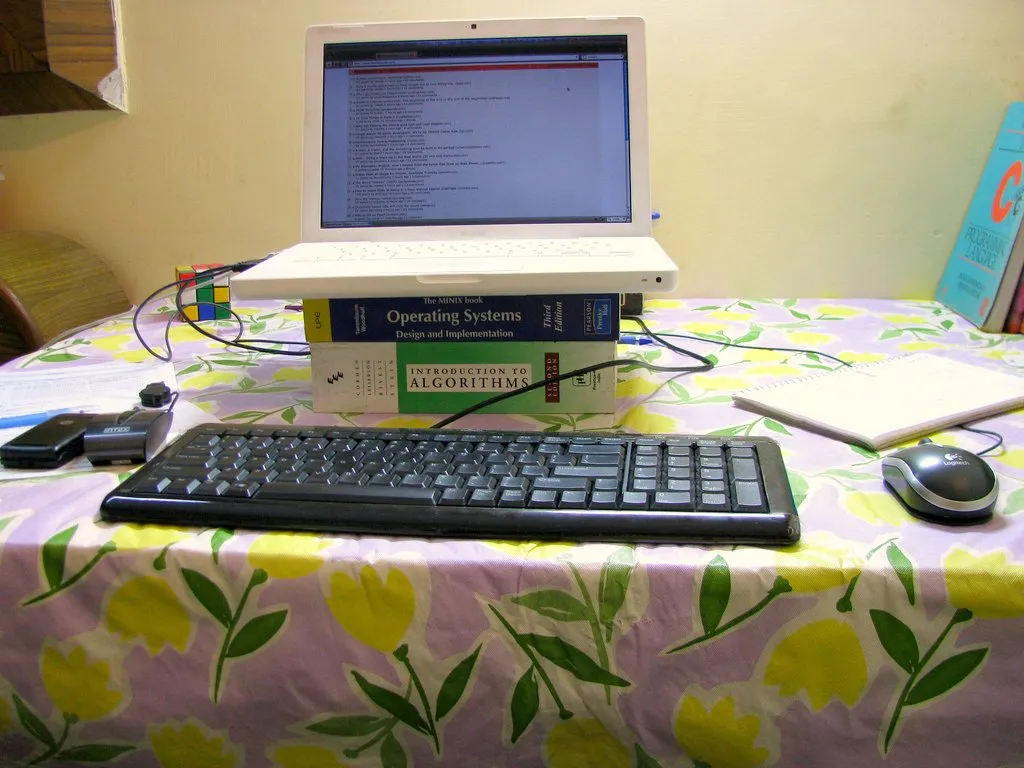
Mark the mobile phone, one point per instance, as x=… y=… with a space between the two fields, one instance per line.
x=48 y=445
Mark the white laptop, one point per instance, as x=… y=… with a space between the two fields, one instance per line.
x=472 y=157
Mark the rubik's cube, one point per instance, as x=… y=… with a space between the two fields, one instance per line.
x=210 y=298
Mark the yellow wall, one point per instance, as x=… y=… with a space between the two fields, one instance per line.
x=800 y=147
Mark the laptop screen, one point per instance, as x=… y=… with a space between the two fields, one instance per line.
x=475 y=131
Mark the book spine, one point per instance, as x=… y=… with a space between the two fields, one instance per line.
x=1015 y=318
x=568 y=317
x=445 y=377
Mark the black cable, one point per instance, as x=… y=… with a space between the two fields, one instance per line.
x=647 y=331
x=706 y=365
x=996 y=435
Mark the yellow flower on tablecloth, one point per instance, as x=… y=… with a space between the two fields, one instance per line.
x=877 y=508
x=809 y=339
x=1014 y=458
x=287 y=555
x=663 y=303
x=988 y=584
x=906 y=319
x=148 y=607
x=719 y=738
x=708 y=328
x=209 y=379
x=778 y=371
x=918 y=346
x=824 y=659
x=837 y=310
x=533 y=550
x=374 y=612
x=130 y=537
x=584 y=743
x=636 y=386
x=304 y=756
x=645 y=422
x=721 y=382
x=77 y=686
x=297 y=373
x=187 y=745
x=764 y=355
x=819 y=561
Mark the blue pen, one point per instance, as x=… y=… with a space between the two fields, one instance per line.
x=29 y=419
x=639 y=341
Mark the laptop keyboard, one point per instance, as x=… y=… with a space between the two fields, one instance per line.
x=453 y=483
x=468 y=249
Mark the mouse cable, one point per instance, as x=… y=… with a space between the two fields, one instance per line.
x=705 y=365
x=996 y=435
x=647 y=331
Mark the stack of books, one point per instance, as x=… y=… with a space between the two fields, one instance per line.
x=442 y=354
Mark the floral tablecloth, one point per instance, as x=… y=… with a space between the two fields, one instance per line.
x=878 y=640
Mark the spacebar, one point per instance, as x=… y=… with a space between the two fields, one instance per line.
x=366 y=494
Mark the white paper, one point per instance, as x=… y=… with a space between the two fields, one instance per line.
x=78 y=388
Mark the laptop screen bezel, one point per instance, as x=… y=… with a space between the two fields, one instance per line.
x=319 y=36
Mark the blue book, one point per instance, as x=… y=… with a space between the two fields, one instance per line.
x=565 y=317
x=982 y=271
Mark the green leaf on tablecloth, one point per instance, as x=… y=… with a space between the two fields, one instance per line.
x=220 y=536
x=897 y=639
x=865 y=452
x=246 y=382
x=349 y=725
x=945 y=676
x=730 y=431
x=799 y=486
x=256 y=633
x=553 y=603
x=569 y=657
x=851 y=475
x=244 y=415
x=678 y=390
x=713 y=359
x=93 y=753
x=890 y=333
x=560 y=420
x=947 y=324
x=391 y=753
x=707 y=307
x=553 y=428
x=715 y=590
x=525 y=703
x=191 y=369
x=258 y=327
x=746 y=305
x=775 y=426
x=393 y=704
x=1014 y=502
x=234 y=363
x=5 y=522
x=288 y=414
x=788 y=303
x=925 y=330
x=55 y=552
x=904 y=569
x=455 y=685
x=59 y=357
x=643 y=760
x=32 y=723
x=752 y=335
x=613 y=585
x=799 y=315
x=209 y=595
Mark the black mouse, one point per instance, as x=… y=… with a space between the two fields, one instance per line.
x=942 y=484
x=131 y=437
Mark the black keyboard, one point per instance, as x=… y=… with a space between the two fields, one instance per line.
x=454 y=483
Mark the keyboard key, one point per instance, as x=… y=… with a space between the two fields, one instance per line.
x=543 y=499
x=743 y=469
x=748 y=496
x=573 y=500
x=672 y=500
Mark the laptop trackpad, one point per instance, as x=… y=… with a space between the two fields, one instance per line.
x=458 y=271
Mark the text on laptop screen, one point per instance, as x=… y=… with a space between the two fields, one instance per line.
x=478 y=131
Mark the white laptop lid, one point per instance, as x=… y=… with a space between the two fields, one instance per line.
x=476 y=129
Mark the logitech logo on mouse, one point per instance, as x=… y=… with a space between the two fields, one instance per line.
x=954 y=460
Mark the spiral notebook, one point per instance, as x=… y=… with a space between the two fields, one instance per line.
x=877 y=405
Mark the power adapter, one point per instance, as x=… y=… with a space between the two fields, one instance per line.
x=155 y=395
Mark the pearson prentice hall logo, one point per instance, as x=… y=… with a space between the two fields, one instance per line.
x=597 y=317
x=474 y=377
